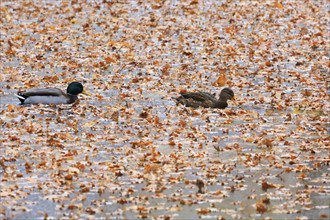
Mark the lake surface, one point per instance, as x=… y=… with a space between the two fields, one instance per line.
x=129 y=151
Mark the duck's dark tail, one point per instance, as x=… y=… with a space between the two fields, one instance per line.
x=177 y=99
x=20 y=97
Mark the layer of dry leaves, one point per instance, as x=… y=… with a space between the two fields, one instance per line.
x=129 y=151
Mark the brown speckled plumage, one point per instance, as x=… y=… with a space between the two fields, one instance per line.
x=206 y=100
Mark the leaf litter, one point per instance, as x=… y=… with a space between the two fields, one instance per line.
x=129 y=151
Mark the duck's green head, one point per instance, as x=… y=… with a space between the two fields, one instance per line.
x=75 y=88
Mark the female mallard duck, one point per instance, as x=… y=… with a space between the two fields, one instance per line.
x=51 y=95
x=206 y=100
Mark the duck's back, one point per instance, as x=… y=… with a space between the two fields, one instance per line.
x=199 y=96
x=197 y=99
x=43 y=92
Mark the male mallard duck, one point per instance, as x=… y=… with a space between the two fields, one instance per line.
x=51 y=95
x=206 y=100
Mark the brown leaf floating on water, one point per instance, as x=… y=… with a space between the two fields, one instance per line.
x=265 y=185
x=221 y=81
x=261 y=207
x=201 y=186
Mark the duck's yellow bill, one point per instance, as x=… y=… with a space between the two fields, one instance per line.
x=234 y=100
x=85 y=93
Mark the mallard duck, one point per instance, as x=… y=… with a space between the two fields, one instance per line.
x=51 y=95
x=206 y=100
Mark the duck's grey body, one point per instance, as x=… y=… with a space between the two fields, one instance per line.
x=51 y=95
x=206 y=100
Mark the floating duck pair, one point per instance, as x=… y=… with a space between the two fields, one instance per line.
x=57 y=96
